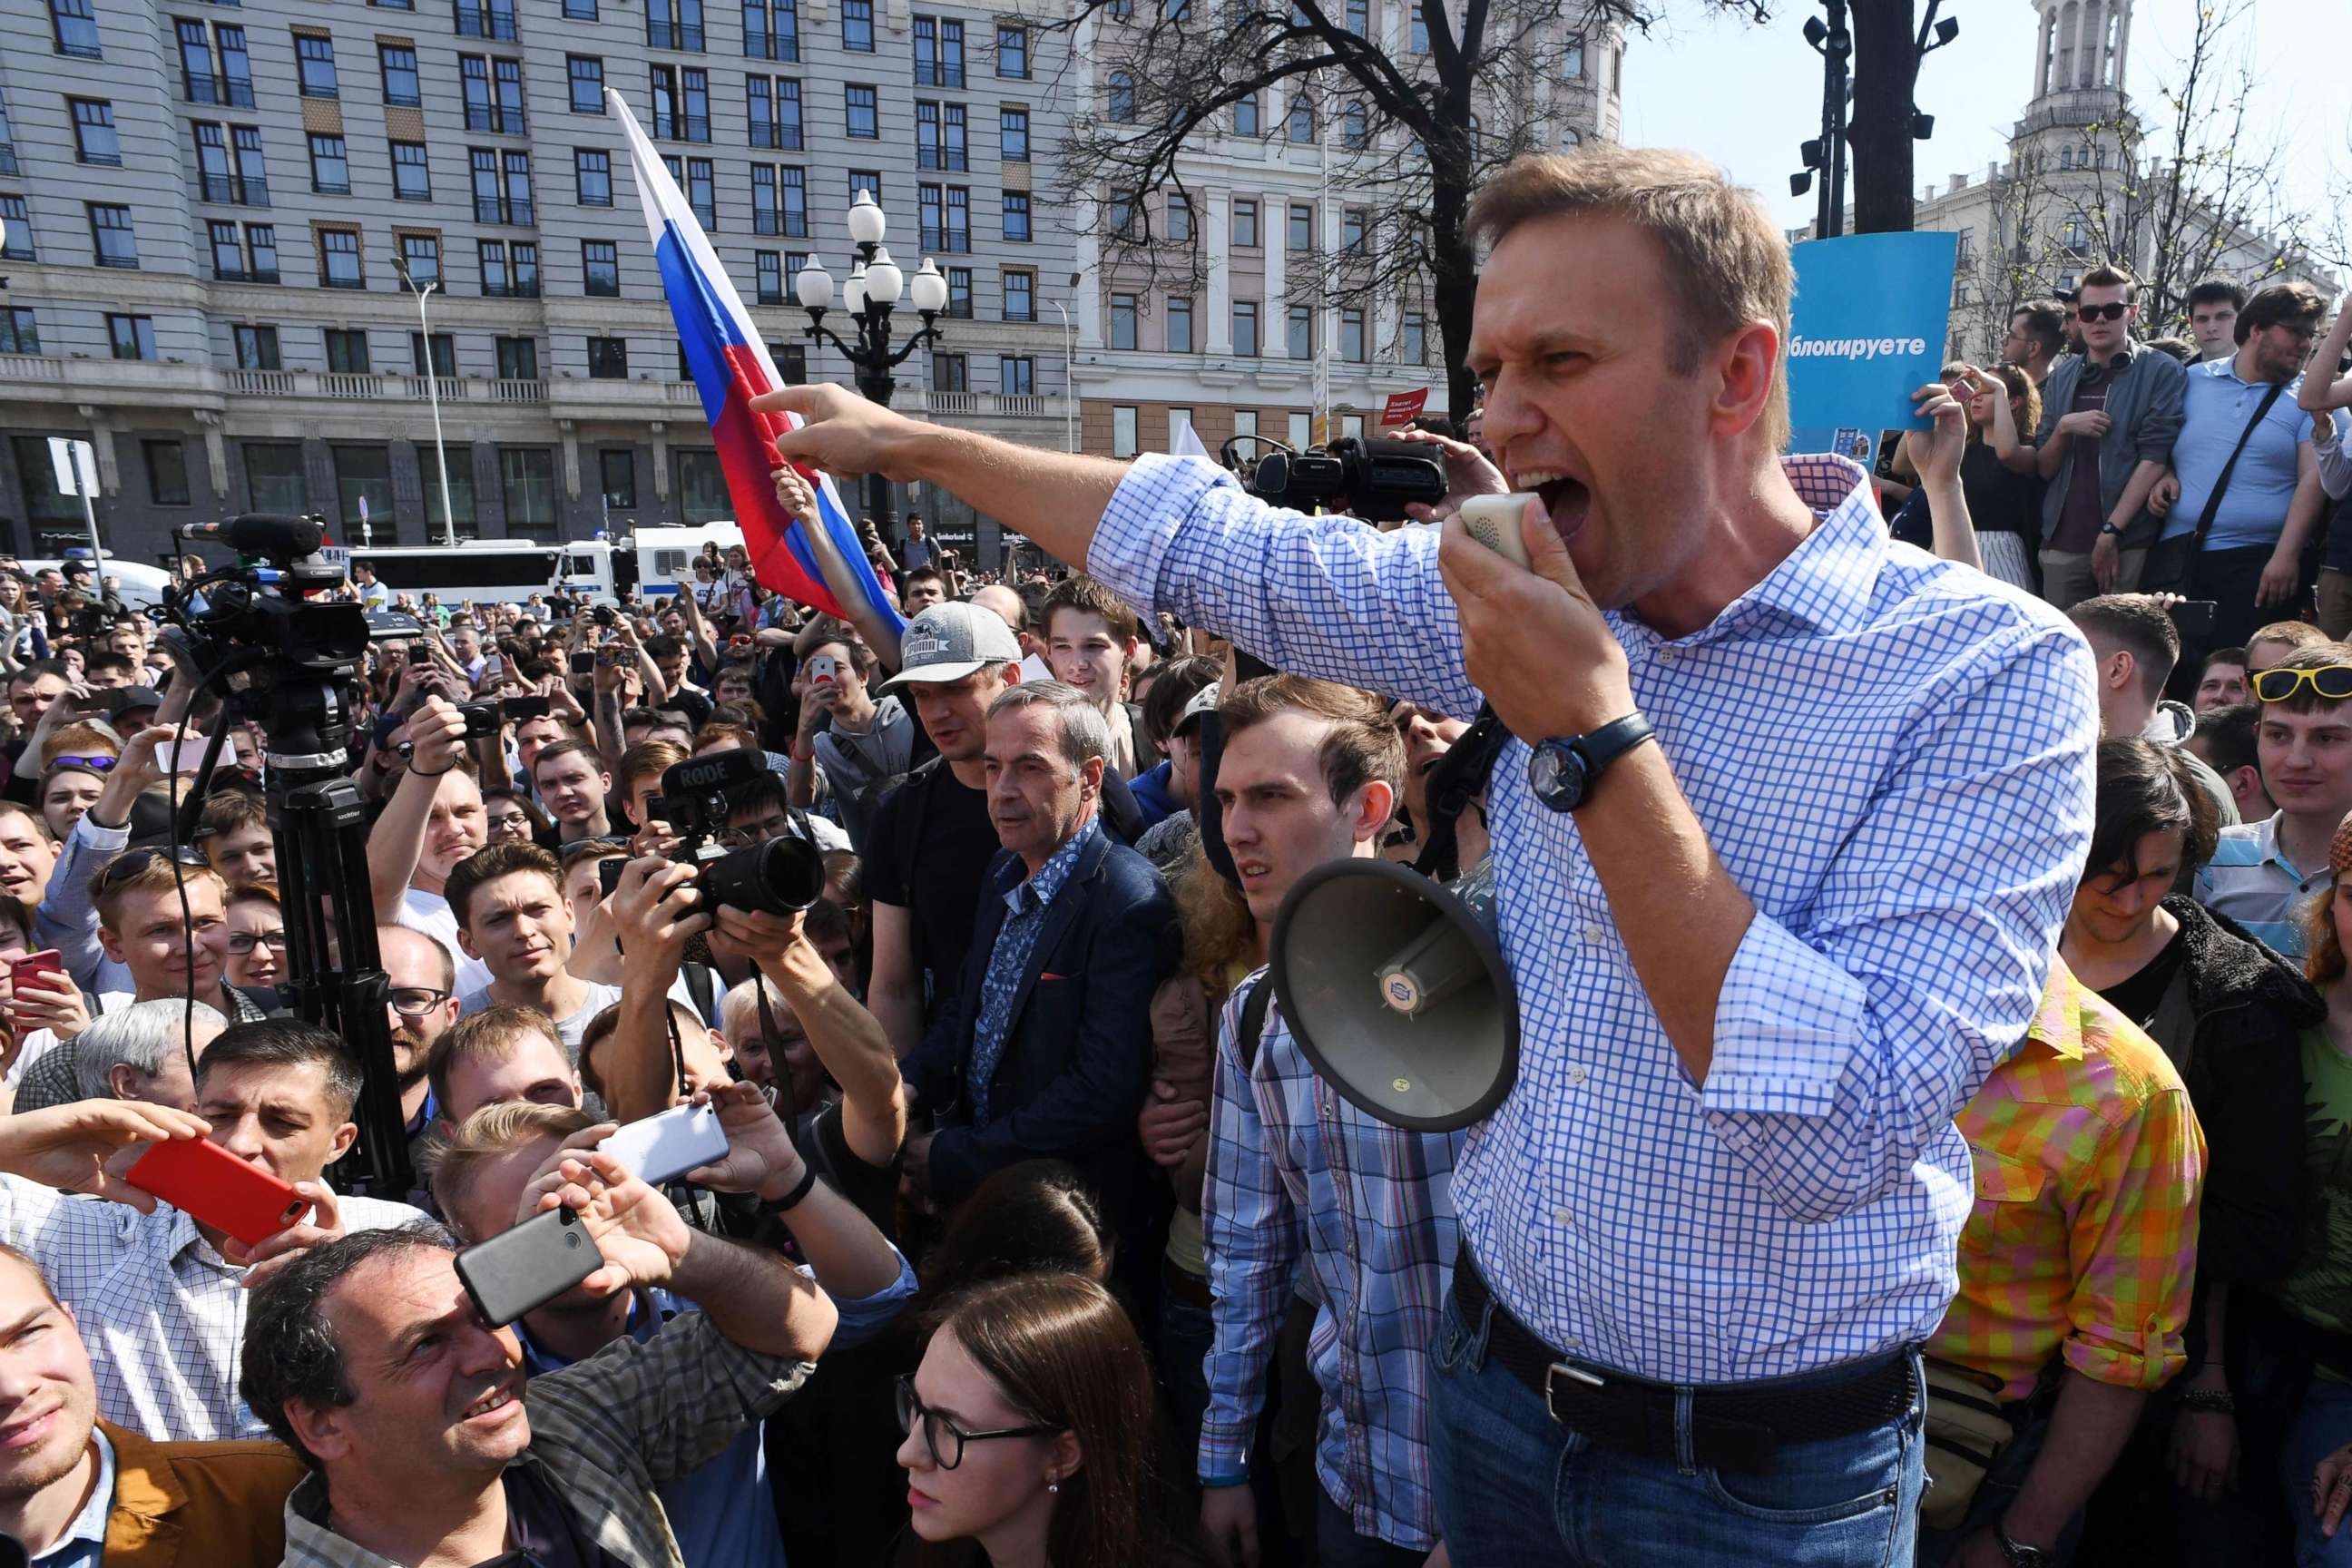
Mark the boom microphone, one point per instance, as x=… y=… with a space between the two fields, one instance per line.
x=260 y=533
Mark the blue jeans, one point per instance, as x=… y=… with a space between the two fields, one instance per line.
x=1515 y=1488
x=1186 y=1334
x=2323 y=1425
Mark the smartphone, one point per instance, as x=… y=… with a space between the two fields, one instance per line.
x=181 y=756
x=823 y=667
x=517 y=710
x=583 y=663
x=1494 y=521
x=523 y=1270
x=215 y=1187
x=103 y=703
x=2194 y=618
x=608 y=873
x=663 y=1148
x=49 y=961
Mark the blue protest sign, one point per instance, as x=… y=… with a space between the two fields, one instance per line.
x=1867 y=330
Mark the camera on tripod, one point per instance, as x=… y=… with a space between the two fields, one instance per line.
x=1371 y=480
x=780 y=876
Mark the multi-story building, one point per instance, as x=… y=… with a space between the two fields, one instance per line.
x=210 y=208
x=1236 y=345
x=2083 y=185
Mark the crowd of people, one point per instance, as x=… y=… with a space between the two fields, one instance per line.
x=1936 y=1039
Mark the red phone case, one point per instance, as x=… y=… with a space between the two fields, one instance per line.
x=217 y=1188
x=49 y=961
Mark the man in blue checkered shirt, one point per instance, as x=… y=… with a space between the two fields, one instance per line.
x=1783 y=844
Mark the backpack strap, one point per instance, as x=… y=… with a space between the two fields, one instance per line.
x=1252 y=1026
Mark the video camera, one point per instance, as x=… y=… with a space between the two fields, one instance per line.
x=1371 y=480
x=779 y=876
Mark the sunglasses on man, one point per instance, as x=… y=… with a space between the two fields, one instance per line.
x=2111 y=312
x=2333 y=682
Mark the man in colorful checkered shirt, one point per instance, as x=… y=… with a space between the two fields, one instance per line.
x=2075 y=1265
x=1790 y=822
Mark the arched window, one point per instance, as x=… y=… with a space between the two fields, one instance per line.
x=1571 y=140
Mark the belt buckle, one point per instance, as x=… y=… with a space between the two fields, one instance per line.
x=1576 y=1373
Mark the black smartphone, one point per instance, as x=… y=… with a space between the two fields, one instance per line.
x=583 y=662
x=102 y=702
x=2194 y=618
x=608 y=873
x=520 y=709
x=524 y=1268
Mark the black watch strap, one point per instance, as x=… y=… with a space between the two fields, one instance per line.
x=1611 y=742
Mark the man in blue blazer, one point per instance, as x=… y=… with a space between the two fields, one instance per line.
x=1045 y=1048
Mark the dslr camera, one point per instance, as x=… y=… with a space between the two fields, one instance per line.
x=1370 y=479
x=779 y=876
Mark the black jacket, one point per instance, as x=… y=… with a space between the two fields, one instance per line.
x=1077 y=1050
x=2230 y=1021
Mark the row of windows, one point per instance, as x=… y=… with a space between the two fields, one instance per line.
x=1178 y=334
x=1125 y=418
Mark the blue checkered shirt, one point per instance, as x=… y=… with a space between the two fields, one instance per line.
x=1294 y=1169
x=162 y=1315
x=1026 y=902
x=1891 y=757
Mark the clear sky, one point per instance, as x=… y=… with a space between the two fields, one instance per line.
x=1745 y=96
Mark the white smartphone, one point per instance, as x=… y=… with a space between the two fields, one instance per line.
x=664 y=1147
x=181 y=756
x=1494 y=521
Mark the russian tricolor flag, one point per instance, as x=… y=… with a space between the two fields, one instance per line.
x=731 y=367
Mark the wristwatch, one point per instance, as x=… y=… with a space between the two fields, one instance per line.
x=1563 y=770
x=2018 y=1554
x=2113 y=529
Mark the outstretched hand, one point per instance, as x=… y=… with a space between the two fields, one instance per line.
x=842 y=433
x=83 y=1146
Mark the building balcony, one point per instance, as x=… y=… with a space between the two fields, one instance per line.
x=245 y=275
x=475 y=22
x=232 y=93
x=986 y=404
x=685 y=37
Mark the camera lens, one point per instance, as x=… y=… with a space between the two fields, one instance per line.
x=777 y=878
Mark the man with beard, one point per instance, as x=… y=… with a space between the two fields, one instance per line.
x=76 y=1491
x=931 y=839
x=2248 y=535
x=421 y=1004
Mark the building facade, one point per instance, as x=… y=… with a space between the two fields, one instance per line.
x=1264 y=333
x=2081 y=186
x=209 y=208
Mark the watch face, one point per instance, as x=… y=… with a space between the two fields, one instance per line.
x=1557 y=775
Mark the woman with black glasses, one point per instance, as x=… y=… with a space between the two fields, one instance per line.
x=1030 y=1427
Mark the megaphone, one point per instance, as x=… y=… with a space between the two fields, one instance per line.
x=1396 y=991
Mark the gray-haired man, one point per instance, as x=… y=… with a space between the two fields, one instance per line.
x=138 y=1052
x=1045 y=1048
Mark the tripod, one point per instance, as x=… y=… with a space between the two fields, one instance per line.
x=288 y=666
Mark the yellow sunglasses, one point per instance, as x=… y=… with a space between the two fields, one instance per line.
x=2332 y=681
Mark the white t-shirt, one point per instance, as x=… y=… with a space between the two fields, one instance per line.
x=431 y=913
x=571 y=1027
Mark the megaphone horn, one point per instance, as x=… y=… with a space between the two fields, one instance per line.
x=1396 y=991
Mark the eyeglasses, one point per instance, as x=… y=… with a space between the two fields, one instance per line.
x=242 y=943
x=2333 y=682
x=416 y=1001
x=948 y=1454
x=87 y=764
x=2111 y=312
x=133 y=862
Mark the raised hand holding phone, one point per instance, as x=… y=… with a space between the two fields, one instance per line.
x=78 y=1146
